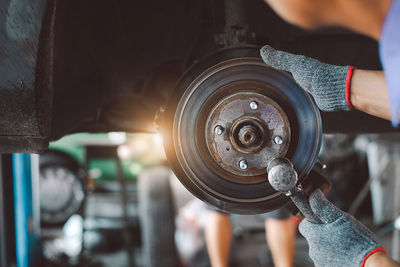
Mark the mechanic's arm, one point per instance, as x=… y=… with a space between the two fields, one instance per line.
x=368 y=93
x=334 y=88
x=380 y=259
x=340 y=240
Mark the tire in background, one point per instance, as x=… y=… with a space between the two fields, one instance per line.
x=157 y=218
x=56 y=165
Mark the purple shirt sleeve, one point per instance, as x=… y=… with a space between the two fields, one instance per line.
x=389 y=50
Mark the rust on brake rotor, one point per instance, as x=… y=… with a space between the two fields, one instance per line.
x=244 y=131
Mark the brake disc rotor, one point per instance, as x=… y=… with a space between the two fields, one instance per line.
x=228 y=120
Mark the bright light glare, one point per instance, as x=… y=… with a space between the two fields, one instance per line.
x=157 y=139
x=135 y=168
x=124 y=152
x=397 y=223
x=72 y=241
x=117 y=138
x=147 y=148
x=140 y=145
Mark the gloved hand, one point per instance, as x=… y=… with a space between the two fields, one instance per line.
x=328 y=84
x=340 y=240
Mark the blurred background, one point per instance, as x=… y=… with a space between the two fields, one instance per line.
x=110 y=200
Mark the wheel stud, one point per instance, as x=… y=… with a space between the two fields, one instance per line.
x=253 y=105
x=218 y=129
x=243 y=164
x=278 y=140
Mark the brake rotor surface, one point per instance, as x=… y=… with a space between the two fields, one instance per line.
x=227 y=120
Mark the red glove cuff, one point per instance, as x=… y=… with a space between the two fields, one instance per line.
x=380 y=249
x=348 y=85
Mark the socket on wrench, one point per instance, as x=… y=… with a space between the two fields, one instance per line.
x=283 y=178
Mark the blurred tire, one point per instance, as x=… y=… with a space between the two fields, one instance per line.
x=61 y=188
x=157 y=218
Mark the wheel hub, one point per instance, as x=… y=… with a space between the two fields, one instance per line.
x=247 y=124
x=250 y=136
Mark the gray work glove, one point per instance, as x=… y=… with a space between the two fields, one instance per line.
x=340 y=240
x=326 y=83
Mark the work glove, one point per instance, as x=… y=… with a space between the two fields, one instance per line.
x=340 y=240
x=328 y=84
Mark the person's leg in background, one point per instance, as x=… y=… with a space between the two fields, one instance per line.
x=218 y=238
x=281 y=236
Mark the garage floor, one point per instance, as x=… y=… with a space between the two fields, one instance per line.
x=248 y=251
x=105 y=247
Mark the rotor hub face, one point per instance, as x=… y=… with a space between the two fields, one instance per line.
x=248 y=133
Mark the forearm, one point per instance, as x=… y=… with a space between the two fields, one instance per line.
x=333 y=87
x=380 y=259
x=369 y=94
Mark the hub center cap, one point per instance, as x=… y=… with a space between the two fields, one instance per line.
x=247 y=134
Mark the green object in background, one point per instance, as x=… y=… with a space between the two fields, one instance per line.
x=63 y=182
x=107 y=169
x=99 y=169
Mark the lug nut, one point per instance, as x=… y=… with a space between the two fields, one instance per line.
x=278 y=140
x=243 y=164
x=219 y=129
x=253 y=105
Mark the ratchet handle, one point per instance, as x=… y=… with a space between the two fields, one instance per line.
x=300 y=199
